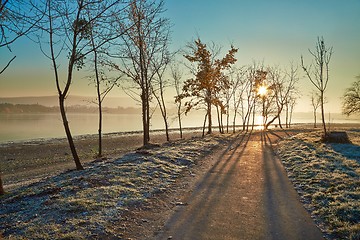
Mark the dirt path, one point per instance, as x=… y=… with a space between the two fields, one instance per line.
x=244 y=195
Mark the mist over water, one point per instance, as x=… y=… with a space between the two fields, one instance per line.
x=19 y=127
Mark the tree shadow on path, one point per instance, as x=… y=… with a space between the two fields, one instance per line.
x=203 y=199
x=245 y=194
x=284 y=213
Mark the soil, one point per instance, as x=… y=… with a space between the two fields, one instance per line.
x=25 y=162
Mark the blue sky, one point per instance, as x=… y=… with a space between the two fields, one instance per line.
x=272 y=31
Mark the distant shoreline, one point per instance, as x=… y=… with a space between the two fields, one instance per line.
x=10 y=108
x=238 y=127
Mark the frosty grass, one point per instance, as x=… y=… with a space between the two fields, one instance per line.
x=327 y=177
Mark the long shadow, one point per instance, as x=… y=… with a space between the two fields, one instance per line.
x=282 y=208
x=215 y=176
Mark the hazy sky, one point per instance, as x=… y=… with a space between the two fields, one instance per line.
x=272 y=31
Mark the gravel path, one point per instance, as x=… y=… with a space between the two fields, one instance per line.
x=245 y=194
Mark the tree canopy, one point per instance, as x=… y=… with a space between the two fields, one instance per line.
x=209 y=80
x=351 y=98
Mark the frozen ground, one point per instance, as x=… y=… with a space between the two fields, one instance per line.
x=94 y=202
x=98 y=200
x=327 y=177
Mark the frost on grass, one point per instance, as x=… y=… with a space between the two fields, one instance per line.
x=327 y=177
x=89 y=203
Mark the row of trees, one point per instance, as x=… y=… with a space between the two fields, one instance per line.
x=130 y=37
x=230 y=90
x=126 y=44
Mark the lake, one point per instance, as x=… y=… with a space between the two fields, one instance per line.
x=18 y=127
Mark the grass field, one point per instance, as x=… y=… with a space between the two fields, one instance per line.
x=327 y=177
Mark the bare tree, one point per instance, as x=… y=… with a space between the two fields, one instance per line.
x=282 y=86
x=103 y=85
x=17 y=19
x=68 y=26
x=100 y=31
x=177 y=75
x=248 y=93
x=158 y=88
x=315 y=103
x=292 y=76
x=318 y=73
x=289 y=110
x=232 y=96
x=141 y=52
x=260 y=88
x=351 y=98
x=239 y=85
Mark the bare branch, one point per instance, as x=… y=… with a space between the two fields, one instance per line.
x=7 y=65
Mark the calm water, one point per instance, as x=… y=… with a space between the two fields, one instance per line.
x=17 y=127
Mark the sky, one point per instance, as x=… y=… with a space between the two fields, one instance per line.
x=271 y=31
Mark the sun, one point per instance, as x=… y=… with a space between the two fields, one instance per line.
x=262 y=90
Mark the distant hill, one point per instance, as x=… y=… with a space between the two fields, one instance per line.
x=52 y=101
x=8 y=108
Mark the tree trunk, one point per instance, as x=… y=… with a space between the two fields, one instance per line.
x=227 y=119
x=2 y=192
x=287 y=125
x=276 y=117
x=144 y=119
x=148 y=114
x=234 y=121
x=219 y=120
x=323 y=112
x=315 y=119
x=68 y=133
x=100 y=129
x=203 y=133
x=270 y=122
x=163 y=112
x=179 y=119
x=253 y=120
x=166 y=127
x=280 y=125
x=167 y=130
x=209 y=119
x=97 y=79
x=291 y=114
x=248 y=118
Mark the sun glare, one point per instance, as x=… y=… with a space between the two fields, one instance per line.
x=262 y=90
